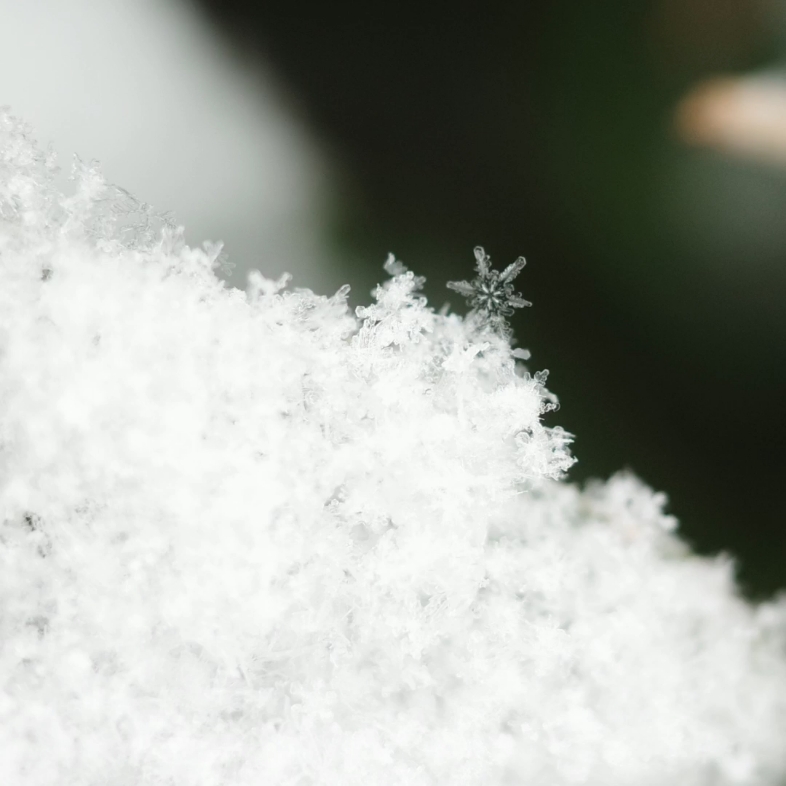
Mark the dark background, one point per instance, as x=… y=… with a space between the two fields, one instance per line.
x=657 y=270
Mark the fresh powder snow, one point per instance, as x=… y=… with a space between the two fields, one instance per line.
x=253 y=538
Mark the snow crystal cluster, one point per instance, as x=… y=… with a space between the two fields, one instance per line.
x=252 y=538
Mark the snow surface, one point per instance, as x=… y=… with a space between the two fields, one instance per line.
x=252 y=538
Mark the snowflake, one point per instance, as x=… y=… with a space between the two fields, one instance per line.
x=491 y=294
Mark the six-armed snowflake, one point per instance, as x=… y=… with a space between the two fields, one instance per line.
x=491 y=294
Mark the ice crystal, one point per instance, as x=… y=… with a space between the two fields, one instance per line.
x=252 y=538
x=491 y=294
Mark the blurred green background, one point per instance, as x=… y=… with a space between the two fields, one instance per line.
x=657 y=268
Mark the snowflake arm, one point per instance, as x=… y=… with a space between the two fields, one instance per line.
x=512 y=270
x=463 y=287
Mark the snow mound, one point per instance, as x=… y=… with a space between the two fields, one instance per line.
x=253 y=538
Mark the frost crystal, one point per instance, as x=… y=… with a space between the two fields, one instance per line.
x=491 y=294
x=251 y=538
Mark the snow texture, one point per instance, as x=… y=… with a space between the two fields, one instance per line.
x=252 y=538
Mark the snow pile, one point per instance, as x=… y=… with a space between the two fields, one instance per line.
x=250 y=538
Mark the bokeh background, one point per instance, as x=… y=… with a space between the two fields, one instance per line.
x=633 y=150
